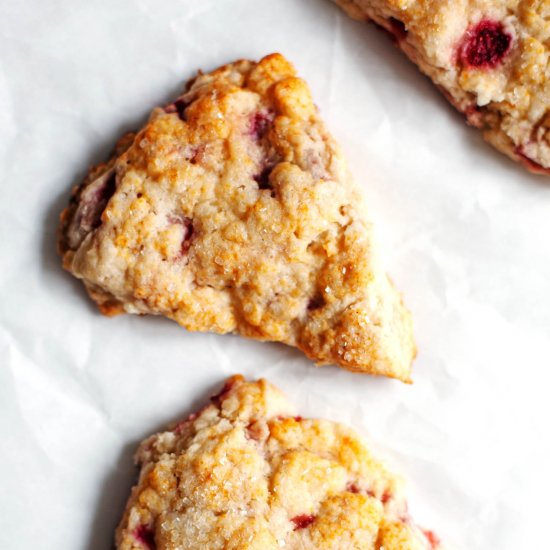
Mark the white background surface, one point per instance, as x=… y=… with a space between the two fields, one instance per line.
x=466 y=236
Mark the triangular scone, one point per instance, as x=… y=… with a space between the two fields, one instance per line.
x=245 y=473
x=488 y=57
x=233 y=211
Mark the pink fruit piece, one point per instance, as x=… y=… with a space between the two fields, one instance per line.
x=94 y=199
x=178 y=107
x=178 y=428
x=103 y=196
x=260 y=124
x=485 y=45
x=145 y=535
x=295 y=418
x=188 y=230
x=91 y=204
x=196 y=154
x=302 y=521
x=187 y=235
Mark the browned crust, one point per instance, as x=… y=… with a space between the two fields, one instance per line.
x=363 y=338
x=256 y=432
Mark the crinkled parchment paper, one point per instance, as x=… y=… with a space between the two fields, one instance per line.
x=465 y=233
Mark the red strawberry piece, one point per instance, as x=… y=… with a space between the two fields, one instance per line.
x=485 y=45
x=302 y=521
x=146 y=536
x=188 y=230
x=260 y=124
x=178 y=107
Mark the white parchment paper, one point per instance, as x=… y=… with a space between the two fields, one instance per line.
x=465 y=233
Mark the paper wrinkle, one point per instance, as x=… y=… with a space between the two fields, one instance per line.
x=25 y=371
x=464 y=234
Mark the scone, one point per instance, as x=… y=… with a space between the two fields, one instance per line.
x=488 y=57
x=246 y=473
x=232 y=210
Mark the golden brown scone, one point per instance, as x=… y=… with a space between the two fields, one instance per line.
x=232 y=210
x=490 y=58
x=246 y=473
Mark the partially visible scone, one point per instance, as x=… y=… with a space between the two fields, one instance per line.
x=246 y=473
x=232 y=210
x=489 y=57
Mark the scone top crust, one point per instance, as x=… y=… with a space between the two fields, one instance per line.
x=232 y=210
x=490 y=58
x=246 y=473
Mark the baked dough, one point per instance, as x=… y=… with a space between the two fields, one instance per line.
x=488 y=57
x=245 y=473
x=232 y=210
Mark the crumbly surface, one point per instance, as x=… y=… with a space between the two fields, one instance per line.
x=246 y=473
x=232 y=210
x=489 y=57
